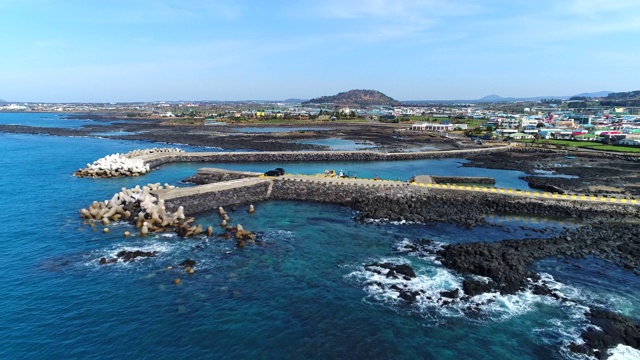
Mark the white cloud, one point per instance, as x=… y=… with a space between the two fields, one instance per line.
x=405 y=9
x=599 y=8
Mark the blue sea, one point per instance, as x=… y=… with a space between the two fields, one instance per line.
x=303 y=293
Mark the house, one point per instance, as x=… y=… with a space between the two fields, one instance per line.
x=423 y=126
x=585 y=137
x=520 y=136
x=630 y=142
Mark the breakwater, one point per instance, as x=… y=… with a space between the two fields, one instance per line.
x=407 y=202
x=213 y=196
x=213 y=175
x=387 y=199
x=119 y=165
x=431 y=179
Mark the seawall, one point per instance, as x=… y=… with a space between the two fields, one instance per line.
x=389 y=200
x=209 y=197
x=155 y=160
x=406 y=202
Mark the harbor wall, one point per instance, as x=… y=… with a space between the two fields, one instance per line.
x=396 y=201
x=463 y=180
x=209 y=201
x=213 y=175
x=406 y=202
x=156 y=160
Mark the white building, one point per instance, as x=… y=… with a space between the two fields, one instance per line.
x=424 y=126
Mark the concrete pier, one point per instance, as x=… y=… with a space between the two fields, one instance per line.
x=395 y=200
x=158 y=159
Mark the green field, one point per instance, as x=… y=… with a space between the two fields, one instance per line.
x=587 y=145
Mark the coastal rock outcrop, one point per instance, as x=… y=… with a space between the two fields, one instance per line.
x=508 y=263
x=607 y=330
x=126 y=256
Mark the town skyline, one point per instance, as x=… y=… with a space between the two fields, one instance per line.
x=222 y=50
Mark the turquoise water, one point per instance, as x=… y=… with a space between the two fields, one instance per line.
x=304 y=293
x=391 y=170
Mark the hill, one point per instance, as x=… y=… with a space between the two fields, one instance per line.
x=356 y=98
x=294 y=101
x=629 y=98
x=630 y=95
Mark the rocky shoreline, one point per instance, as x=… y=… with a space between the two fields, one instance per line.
x=385 y=137
x=508 y=266
x=561 y=171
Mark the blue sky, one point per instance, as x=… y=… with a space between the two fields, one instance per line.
x=143 y=50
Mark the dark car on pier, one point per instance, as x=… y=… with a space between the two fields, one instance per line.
x=275 y=172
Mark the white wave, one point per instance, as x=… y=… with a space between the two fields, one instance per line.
x=403 y=222
x=424 y=250
x=623 y=352
x=271 y=235
x=432 y=280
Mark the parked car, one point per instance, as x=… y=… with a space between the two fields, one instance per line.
x=275 y=172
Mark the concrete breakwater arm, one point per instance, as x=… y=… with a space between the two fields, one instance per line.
x=392 y=200
x=210 y=197
x=403 y=201
x=117 y=165
x=153 y=159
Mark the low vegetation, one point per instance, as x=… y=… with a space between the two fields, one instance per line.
x=592 y=145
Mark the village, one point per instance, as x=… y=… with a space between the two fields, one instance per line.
x=535 y=120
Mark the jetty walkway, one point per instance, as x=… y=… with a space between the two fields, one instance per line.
x=389 y=199
x=160 y=158
x=252 y=178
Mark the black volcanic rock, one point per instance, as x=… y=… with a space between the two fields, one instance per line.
x=188 y=263
x=609 y=330
x=130 y=255
x=508 y=263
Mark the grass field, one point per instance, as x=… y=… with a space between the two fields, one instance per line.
x=588 y=145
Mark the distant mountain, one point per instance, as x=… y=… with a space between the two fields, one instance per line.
x=356 y=98
x=496 y=98
x=3 y=102
x=295 y=101
x=597 y=94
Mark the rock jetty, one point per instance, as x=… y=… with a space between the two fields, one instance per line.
x=117 y=165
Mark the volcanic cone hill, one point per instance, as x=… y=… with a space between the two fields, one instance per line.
x=356 y=98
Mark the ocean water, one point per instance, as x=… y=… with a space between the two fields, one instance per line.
x=60 y=120
x=303 y=292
